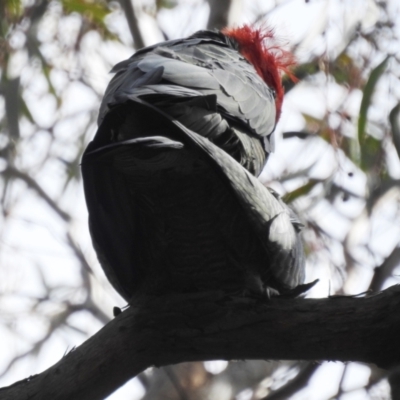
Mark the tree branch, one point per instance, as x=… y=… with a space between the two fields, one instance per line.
x=209 y=326
x=10 y=90
x=219 y=13
x=132 y=23
x=295 y=384
x=385 y=270
x=32 y=184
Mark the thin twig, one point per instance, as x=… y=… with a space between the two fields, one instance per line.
x=132 y=23
x=32 y=184
x=175 y=382
x=295 y=384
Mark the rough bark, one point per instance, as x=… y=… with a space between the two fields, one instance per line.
x=394 y=381
x=189 y=327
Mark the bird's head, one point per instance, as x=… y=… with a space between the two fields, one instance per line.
x=259 y=47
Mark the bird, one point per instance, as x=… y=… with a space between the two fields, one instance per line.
x=170 y=178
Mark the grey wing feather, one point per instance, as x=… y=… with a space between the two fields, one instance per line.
x=193 y=67
x=180 y=73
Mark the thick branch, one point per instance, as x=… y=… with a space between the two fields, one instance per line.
x=188 y=327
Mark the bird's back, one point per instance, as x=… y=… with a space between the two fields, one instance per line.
x=169 y=211
x=208 y=86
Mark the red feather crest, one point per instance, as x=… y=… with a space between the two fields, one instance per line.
x=260 y=48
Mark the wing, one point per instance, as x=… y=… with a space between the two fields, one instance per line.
x=169 y=210
x=205 y=84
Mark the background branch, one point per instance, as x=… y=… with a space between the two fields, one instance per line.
x=295 y=384
x=132 y=23
x=219 y=14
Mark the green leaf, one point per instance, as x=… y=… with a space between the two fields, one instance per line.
x=369 y=88
x=46 y=71
x=301 y=72
x=93 y=11
x=13 y=8
x=354 y=151
x=301 y=191
x=394 y=122
x=10 y=14
x=371 y=153
x=25 y=110
x=168 y=4
x=340 y=68
x=351 y=148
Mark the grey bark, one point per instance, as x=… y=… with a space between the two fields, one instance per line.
x=219 y=14
x=209 y=326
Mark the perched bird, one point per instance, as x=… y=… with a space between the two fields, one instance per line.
x=173 y=202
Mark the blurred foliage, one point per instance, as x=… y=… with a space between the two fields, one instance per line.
x=338 y=166
x=94 y=14
x=300 y=191
x=368 y=91
x=345 y=71
x=300 y=71
x=166 y=4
